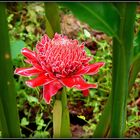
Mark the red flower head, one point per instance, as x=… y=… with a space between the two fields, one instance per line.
x=56 y=63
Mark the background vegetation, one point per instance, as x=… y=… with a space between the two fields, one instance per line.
x=26 y=24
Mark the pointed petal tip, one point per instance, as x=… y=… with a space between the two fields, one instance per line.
x=23 y=50
x=89 y=85
x=95 y=85
x=50 y=90
x=26 y=51
x=102 y=64
x=27 y=71
x=48 y=101
x=56 y=35
x=45 y=38
x=16 y=71
x=77 y=82
x=85 y=92
x=29 y=84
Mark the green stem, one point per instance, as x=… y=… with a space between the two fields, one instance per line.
x=61 y=120
x=103 y=127
x=57 y=118
x=121 y=66
x=65 y=122
x=8 y=108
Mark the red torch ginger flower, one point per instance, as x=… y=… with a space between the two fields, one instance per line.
x=56 y=63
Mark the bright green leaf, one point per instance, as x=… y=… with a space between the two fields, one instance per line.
x=82 y=117
x=88 y=52
x=87 y=34
x=41 y=134
x=32 y=99
x=24 y=121
x=16 y=47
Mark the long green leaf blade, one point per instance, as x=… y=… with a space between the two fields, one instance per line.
x=135 y=62
x=121 y=67
x=135 y=69
x=100 y=16
x=3 y=123
x=103 y=126
x=8 y=108
x=52 y=15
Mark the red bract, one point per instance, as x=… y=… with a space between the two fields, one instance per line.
x=56 y=63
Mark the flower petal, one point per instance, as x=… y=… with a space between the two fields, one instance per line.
x=50 y=89
x=27 y=71
x=85 y=92
x=78 y=82
x=91 y=69
x=82 y=71
x=45 y=39
x=40 y=80
x=94 y=68
x=28 y=54
x=31 y=58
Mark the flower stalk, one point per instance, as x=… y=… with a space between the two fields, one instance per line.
x=65 y=123
x=57 y=118
x=61 y=120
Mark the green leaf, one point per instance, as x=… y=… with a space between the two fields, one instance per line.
x=82 y=117
x=41 y=134
x=24 y=121
x=100 y=16
x=32 y=99
x=87 y=34
x=40 y=121
x=121 y=66
x=16 y=47
x=88 y=52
